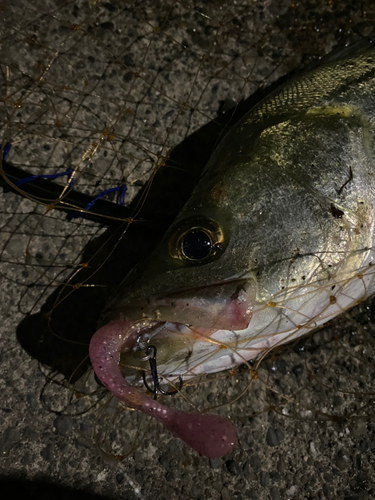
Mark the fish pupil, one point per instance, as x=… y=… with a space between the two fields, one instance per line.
x=196 y=244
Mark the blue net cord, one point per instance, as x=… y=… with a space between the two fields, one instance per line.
x=121 y=199
x=6 y=150
x=68 y=172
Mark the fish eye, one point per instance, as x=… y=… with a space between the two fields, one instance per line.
x=196 y=240
x=196 y=244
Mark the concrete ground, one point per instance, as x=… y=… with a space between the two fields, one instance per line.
x=109 y=88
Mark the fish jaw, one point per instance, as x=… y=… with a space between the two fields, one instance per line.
x=224 y=306
x=210 y=435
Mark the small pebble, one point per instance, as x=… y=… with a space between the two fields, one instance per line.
x=170 y=476
x=226 y=494
x=107 y=26
x=275 y=477
x=120 y=478
x=217 y=485
x=215 y=463
x=293 y=490
x=274 y=436
x=8 y=438
x=255 y=462
x=342 y=462
x=233 y=467
x=248 y=472
x=275 y=494
x=264 y=478
x=47 y=453
x=63 y=425
x=359 y=483
x=281 y=466
x=298 y=370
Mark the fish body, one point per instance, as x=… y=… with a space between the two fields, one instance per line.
x=289 y=198
x=276 y=239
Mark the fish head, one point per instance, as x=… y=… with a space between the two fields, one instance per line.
x=194 y=284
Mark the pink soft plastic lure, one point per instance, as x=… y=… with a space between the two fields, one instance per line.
x=210 y=435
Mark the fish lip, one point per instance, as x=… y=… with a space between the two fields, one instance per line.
x=222 y=305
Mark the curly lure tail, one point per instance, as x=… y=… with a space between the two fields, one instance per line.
x=210 y=435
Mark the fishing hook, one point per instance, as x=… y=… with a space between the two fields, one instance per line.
x=151 y=356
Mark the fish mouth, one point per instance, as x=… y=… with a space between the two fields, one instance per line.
x=188 y=328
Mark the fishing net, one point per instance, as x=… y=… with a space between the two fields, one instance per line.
x=123 y=103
